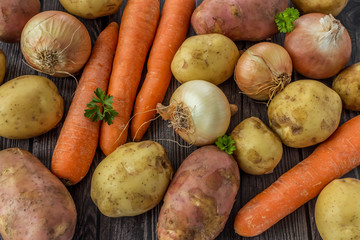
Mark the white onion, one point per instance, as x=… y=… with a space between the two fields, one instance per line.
x=199 y=112
x=55 y=43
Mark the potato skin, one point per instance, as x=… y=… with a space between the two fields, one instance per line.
x=2 y=66
x=209 y=57
x=30 y=106
x=333 y=7
x=347 y=85
x=258 y=148
x=305 y=113
x=238 y=19
x=34 y=204
x=14 y=15
x=200 y=197
x=91 y=9
x=131 y=180
x=337 y=210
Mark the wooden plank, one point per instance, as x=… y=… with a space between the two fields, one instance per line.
x=91 y=224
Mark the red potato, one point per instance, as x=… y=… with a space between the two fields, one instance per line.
x=200 y=197
x=34 y=204
x=14 y=14
x=238 y=19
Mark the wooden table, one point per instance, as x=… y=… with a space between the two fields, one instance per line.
x=93 y=225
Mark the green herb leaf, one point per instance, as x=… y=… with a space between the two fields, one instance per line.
x=101 y=101
x=285 y=20
x=226 y=144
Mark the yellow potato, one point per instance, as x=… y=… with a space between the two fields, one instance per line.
x=131 y=180
x=258 y=149
x=337 y=210
x=320 y=6
x=29 y=106
x=347 y=85
x=209 y=57
x=305 y=113
x=2 y=66
x=91 y=9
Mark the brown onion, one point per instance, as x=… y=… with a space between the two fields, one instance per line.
x=319 y=46
x=55 y=43
x=263 y=70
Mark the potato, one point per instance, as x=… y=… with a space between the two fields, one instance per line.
x=305 y=113
x=238 y=19
x=337 y=210
x=347 y=85
x=34 y=204
x=258 y=148
x=333 y=7
x=131 y=180
x=29 y=106
x=2 y=66
x=91 y=9
x=200 y=197
x=209 y=57
x=14 y=15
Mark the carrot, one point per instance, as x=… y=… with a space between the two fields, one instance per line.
x=137 y=31
x=331 y=159
x=78 y=140
x=171 y=33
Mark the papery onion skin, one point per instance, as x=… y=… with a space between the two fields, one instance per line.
x=313 y=58
x=204 y=109
x=55 y=43
x=260 y=70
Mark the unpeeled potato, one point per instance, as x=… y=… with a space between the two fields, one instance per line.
x=2 y=66
x=91 y=9
x=320 y=6
x=337 y=210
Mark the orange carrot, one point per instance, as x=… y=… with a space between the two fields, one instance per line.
x=78 y=140
x=171 y=33
x=137 y=31
x=331 y=159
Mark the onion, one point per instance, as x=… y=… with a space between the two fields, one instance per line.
x=319 y=45
x=263 y=70
x=199 y=112
x=55 y=43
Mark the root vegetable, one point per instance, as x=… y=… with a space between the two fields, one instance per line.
x=238 y=19
x=14 y=15
x=347 y=85
x=34 y=204
x=305 y=113
x=91 y=9
x=2 y=66
x=258 y=148
x=199 y=199
x=333 y=7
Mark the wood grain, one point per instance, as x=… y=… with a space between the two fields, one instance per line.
x=91 y=224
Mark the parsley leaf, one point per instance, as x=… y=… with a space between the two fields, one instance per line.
x=285 y=19
x=98 y=102
x=226 y=144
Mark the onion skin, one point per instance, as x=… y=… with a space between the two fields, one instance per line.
x=68 y=45
x=199 y=112
x=314 y=58
x=261 y=68
x=13 y=16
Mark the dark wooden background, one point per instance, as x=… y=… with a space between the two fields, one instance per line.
x=91 y=224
